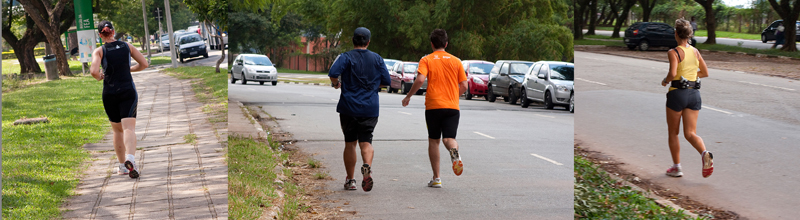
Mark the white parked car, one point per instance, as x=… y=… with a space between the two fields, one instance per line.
x=550 y=82
x=254 y=67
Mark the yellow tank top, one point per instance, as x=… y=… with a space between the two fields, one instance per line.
x=688 y=65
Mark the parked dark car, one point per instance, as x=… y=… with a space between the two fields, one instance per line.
x=768 y=34
x=646 y=35
x=505 y=79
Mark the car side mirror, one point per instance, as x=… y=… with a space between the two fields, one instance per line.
x=504 y=74
x=541 y=76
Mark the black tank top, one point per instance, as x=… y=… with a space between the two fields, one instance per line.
x=116 y=68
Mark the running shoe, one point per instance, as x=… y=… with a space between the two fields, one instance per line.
x=366 y=183
x=121 y=170
x=133 y=171
x=458 y=166
x=435 y=183
x=674 y=172
x=350 y=184
x=708 y=164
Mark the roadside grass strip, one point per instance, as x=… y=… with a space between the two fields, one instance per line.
x=210 y=88
x=42 y=162
x=253 y=180
x=589 y=41
x=597 y=196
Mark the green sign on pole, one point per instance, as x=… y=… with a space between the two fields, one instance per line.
x=83 y=15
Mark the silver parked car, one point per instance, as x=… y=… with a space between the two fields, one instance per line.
x=254 y=67
x=550 y=82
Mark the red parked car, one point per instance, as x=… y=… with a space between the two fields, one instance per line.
x=477 y=77
x=403 y=75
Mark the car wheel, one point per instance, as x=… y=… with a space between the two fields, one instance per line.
x=469 y=94
x=274 y=83
x=205 y=55
x=244 y=79
x=644 y=45
x=525 y=102
x=763 y=38
x=233 y=80
x=181 y=58
x=548 y=102
x=405 y=88
x=511 y=96
x=262 y=83
x=490 y=95
x=419 y=92
x=572 y=103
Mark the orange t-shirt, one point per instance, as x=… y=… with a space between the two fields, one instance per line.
x=444 y=71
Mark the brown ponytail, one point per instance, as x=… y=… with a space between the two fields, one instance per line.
x=106 y=32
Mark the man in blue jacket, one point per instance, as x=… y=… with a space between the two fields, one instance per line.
x=362 y=73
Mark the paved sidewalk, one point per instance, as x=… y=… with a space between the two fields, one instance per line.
x=178 y=180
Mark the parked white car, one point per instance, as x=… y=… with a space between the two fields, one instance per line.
x=254 y=67
x=550 y=82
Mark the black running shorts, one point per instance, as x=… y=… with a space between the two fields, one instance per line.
x=121 y=105
x=357 y=128
x=442 y=123
x=680 y=99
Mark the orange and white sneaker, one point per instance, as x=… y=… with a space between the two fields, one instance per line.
x=458 y=166
x=674 y=171
x=708 y=164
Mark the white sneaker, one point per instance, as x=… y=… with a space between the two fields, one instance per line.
x=133 y=171
x=121 y=170
x=435 y=183
x=350 y=184
x=674 y=172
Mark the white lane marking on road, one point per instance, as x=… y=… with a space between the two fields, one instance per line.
x=589 y=81
x=710 y=108
x=547 y=159
x=482 y=134
x=546 y=116
x=404 y=113
x=759 y=84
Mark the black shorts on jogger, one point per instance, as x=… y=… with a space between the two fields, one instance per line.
x=121 y=105
x=357 y=128
x=442 y=123
x=680 y=99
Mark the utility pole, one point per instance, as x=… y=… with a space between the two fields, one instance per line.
x=160 y=32
x=146 y=33
x=171 y=35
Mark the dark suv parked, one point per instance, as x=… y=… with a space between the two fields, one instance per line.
x=768 y=33
x=651 y=34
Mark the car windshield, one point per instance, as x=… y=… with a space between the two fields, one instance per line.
x=189 y=39
x=562 y=72
x=480 y=68
x=389 y=64
x=519 y=68
x=257 y=60
x=410 y=68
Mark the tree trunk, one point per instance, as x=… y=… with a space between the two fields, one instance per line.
x=788 y=13
x=647 y=8
x=622 y=17
x=580 y=11
x=592 y=17
x=222 y=48
x=711 y=20
x=48 y=19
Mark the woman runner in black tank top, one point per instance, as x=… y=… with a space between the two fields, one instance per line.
x=120 y=98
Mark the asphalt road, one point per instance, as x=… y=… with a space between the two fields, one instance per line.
x=499 y=143
x=726 y=41
x=750 y=122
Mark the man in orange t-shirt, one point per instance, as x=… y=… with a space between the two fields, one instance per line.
x=446 y=83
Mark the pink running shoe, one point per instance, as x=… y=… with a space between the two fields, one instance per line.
x=708 y=164
x=674 y=172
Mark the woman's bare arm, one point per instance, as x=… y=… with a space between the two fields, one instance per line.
x=141 y=63
x=97 y=57
x=703 y=68
x=673 y=67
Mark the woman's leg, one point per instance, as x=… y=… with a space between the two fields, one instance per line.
x=129 y=129
x=119 y=144
x=674 y=128
x=690 y=129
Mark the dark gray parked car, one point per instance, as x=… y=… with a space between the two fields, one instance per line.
x=505 y=79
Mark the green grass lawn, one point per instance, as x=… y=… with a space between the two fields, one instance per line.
x=283 y=70
x=41 y=162
x=589 y=41
x=727 y=34
x=720 y=47
x=12 y=66
x=597 y=196
x=251 y=177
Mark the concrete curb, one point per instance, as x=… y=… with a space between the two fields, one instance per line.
x=257 y=125
x=701 y=50
x=658 y=199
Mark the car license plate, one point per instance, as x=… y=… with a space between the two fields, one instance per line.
x=193 y=53
x=626 y=40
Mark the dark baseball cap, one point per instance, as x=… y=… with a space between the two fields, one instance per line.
x=104 y=24
x=362 y=32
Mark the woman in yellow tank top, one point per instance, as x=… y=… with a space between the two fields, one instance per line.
x=686 y=65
